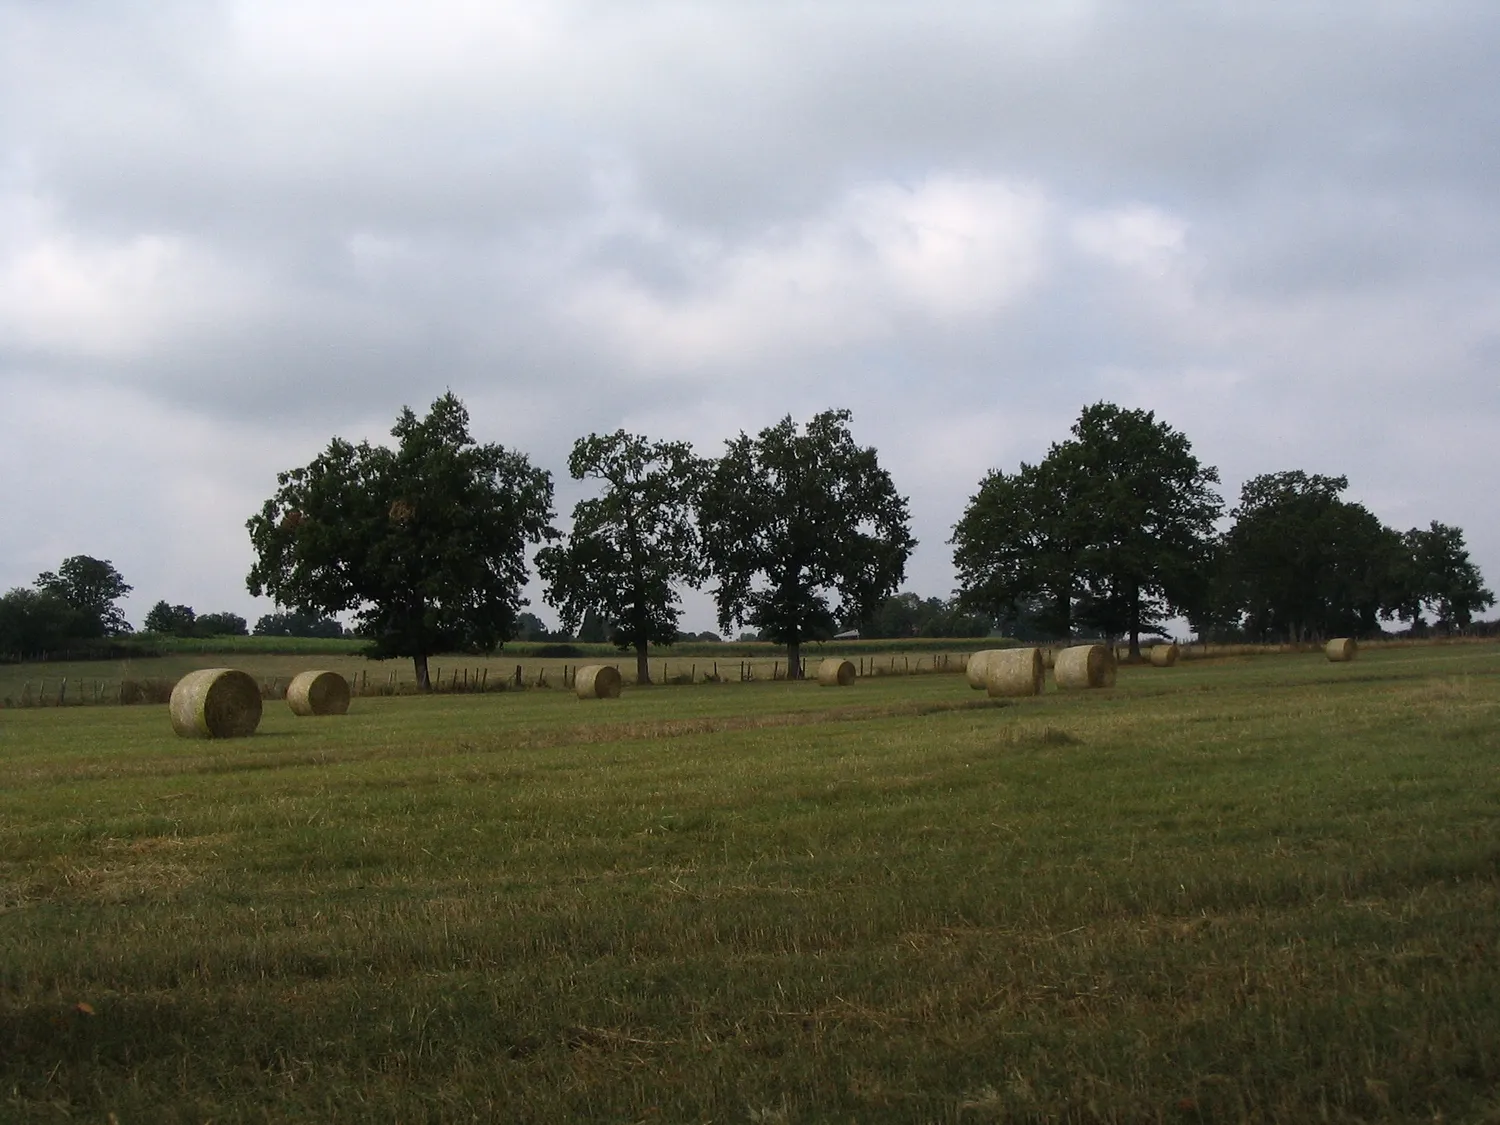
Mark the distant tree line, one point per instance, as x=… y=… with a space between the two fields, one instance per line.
x=799 y=533
x=424 y=544
x=1115 y=531
x=69 y=609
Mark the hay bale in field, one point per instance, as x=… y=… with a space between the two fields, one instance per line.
x=1163 y=656
x=216 y=703
x=834 y=672
x=318 y=693
x=597 y=681
x=1341 y=649
x=974 y=670
x=1015 y=671
x=1085 y=666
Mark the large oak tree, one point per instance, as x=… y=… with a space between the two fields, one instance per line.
x=425 y=543
x=630 y=545
x=1113 y=529
x=794 y=521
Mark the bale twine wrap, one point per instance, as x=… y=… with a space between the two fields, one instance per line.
x=974 y=670
x=1085 y=666
x=1015 y=671
x=1341 y=649
x=1163 y=656
x=318 y=693
x=216 y=703
x=834 y=672
x=597 y=681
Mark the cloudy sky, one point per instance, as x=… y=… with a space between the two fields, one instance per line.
x=229 y=231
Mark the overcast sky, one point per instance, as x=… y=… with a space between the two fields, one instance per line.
x=230 y=231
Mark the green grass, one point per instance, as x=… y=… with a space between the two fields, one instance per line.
x=1262 y=890
x=98 y=681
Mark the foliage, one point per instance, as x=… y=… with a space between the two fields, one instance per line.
x=424 y=544
x=1301 y=562
x=791 y=520
x=1441 y=579
x=530 y=627
x=91 y=587
x=221 y=625
x=1019 y=545
x=909 y=615
x=1112 y=530
x=297 y=624
x=1151 y=507
x=33 y=622
x=171 y=620
x=630 y=545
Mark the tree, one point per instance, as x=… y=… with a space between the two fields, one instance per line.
x=220 y=625
x=530 y=627
x=790 y=520
x=1113 y=529
x=1150 y=507
x=424 y=544
x=1300 y=562
x=297 y=624
x=91 y=587
x=1019 y=545
x=171 y=620
x=1441 y=578
x=33 y=622
x=908 y=615
x=631 y=544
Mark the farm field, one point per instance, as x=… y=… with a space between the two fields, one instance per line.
x=1261 y=889
x=98 y=681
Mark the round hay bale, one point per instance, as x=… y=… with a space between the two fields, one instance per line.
x=1341 y=649
x=1163 y=656
x=216 y=703
x=974 y=670
x=318 y=693
x=597 y=681
x=1015 y=671
x=1085 y=666
x=834 y=672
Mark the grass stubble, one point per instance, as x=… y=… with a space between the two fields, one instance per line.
x=1264 y=891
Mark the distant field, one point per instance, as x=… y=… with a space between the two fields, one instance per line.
x=273 y=661
x=1240 y=889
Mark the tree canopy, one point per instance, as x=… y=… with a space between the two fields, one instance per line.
x=793 y=519
x=91 y=587
x=424 y=544
x=910 y=615
x=630 y=545
x=292 y=623
x=1300 y=562
x=1440 y=578
x=1113 y=529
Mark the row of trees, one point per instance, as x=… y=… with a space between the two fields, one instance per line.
x=798 y=529
x=70 y=608
x=1114 y=531
x=75 y=609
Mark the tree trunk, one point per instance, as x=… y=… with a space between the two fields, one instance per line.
x=423 y=683
x=794 y=660
x=642 y=664
x=1135 y=625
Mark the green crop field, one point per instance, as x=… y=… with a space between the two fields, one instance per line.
x=1257 y=889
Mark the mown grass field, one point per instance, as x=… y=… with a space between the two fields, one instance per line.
x=274 y=661
x=1263 y=889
